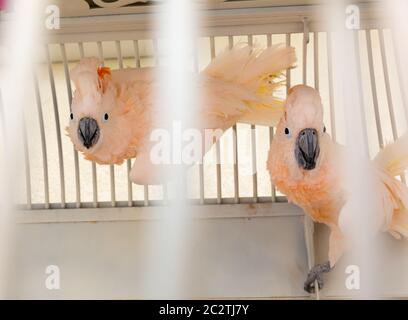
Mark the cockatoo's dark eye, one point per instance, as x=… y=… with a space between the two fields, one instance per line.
x=287 y=131
x=71 y=116
x=105 y=117
x=324 y=129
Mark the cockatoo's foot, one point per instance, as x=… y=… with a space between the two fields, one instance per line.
x=316 y=274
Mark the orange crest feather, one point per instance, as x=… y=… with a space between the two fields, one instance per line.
x=103 y=71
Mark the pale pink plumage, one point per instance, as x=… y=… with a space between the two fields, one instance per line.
x=237 y=86
x=321 y=192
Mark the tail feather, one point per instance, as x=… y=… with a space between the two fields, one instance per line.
x=256 y=74
x=263 y=116
x=246 y=64
x=399 y=225
x=393 y=158
x=393 y=161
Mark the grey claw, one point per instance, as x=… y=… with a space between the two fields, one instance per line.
x=311 y=282
x=315 y=274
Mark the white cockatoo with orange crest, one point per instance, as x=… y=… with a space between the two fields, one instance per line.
x=309 y=168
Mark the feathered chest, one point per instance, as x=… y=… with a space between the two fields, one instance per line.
x=317 y=191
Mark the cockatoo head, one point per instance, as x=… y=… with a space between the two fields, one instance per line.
x=301 y=128
x=102 y=120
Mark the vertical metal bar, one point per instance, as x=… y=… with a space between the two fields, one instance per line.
x=269 y=40
x=137 y=62
x=235 y=144
x=112 y=183
x=374 y=89
x=218 y=168
x=308 y=229
x=308 y=223
x=100 y=52
x=401 y=77
x=217 y=143
x=136 y=53
x=196 y=69
x=128 y=161
x=43 y=142
x=316 y=59
x=360 y=90
x=288 y=72
x=230 y=42
x=81 y=50
x=57 y=126
x=111 y=167
x=235 y=156
x=119 y=54
x=306 y=40
x=273 y=189
x=146 y=195
x=387 y=85
x=253 y=149
x=250 y=39
x=27 y=168
x=157 y=64
x=69 y=91
x=201 y=164
x=93 y=164
x=254 y=165
x=331 y=92
x=388 y=90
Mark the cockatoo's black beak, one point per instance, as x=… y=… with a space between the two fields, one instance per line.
x=307 y=149
x=88 y=132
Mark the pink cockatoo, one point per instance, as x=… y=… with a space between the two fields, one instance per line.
x=114 y=111
x=308 y=167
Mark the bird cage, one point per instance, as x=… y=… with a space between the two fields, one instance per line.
x=90 y=220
